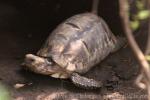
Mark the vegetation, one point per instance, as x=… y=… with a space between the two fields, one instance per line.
x=4 y=94
x=142 y=57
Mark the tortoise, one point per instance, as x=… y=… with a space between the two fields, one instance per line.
x=73 y=48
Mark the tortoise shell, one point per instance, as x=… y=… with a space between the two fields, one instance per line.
x=79 y=43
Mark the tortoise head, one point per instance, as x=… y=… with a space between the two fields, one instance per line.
x=45 y=66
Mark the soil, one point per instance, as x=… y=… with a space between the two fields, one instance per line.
x=24 y=28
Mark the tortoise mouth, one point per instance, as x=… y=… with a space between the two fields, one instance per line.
x=45 y=66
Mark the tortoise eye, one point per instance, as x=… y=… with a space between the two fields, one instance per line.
x=50 y=61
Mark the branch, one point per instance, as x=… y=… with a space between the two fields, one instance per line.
x=95 y=6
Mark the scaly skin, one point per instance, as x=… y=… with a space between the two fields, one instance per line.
x=84 y=82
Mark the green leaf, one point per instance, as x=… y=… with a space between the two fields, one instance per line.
x=135 y=24
x=143 y=14
x=139 y=4
x=4 y=94
x=147 y=57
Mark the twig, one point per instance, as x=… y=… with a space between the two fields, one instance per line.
x=138 y=81
x=124 y=10
x=95 y=6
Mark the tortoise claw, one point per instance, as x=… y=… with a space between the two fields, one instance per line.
x=84 y=82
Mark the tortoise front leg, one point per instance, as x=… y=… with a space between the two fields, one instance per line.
x=84 y=82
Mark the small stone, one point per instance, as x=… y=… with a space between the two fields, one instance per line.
x=19 y=85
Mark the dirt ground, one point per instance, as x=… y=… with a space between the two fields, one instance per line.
x=23 y=30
